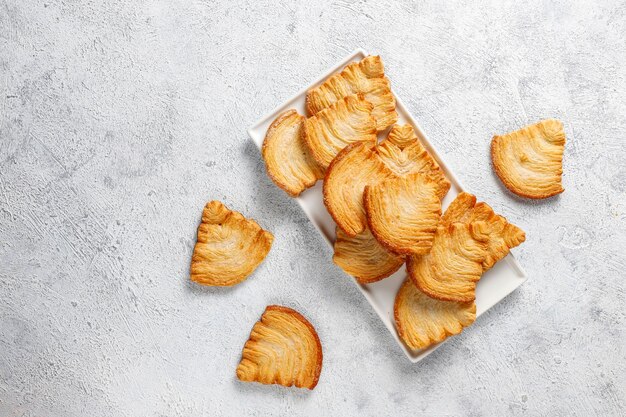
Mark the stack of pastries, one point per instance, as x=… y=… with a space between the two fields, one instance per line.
x=386 y=196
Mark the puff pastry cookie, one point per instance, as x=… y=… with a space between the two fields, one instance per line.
x=422 y=321
x=229 y=247
x=403 y=213
x=286 y=156
x=399 y=155
x=347 y=121
x=503 y=236
x=367 y=77
x=404 y=154
x=354 y=168
x=529 y=161
x=283 y=349
x=451 y=269
x=364 y=258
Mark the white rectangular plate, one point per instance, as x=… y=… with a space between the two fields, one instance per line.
x=495 y=284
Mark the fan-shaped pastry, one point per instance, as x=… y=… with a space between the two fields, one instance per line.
x=403 y=213
x=287 y=158
x=283 y=349
x=364 y=258
x=347 y=121
x=529 y=161
x=354 y=168
x=503 y=236
x=404 y=154
x=367 y=77
x=229 y=247
x=422 y=321
x=451 y=269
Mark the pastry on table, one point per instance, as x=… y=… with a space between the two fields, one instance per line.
x=283 y=348
x=229 y=247
x=529 y=161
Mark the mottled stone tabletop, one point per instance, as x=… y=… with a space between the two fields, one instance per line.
x=120 y=119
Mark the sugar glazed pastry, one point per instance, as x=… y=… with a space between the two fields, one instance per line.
x=450 y=270
x=422 y=321
x=503 y=236
x=286 y=156
x=366 y=77
x=403 y=213
x=229 y=247
x=365 y=259
x=347 y=121
x=529 y=161
x=283 y=349
x=367 y=164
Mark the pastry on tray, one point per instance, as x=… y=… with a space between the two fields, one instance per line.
x=451 y=269
x=229 y=247
x=366 y=77
x=422 y=321
x=365 y=259
x=362 y=165
x=503 y=236
x=529 y=161
x=347 y=121
x=283 y=348
x=287 y=159
x=403 y=213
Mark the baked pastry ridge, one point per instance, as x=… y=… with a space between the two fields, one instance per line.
x=362 y=257
x=347 y=121
x=404 y=154
x=451 y=269
x=503 y=236
x=403 y=213
x=422 y=321
x=529 y=161
x=366 y=77
x=283 y=348
x=229 y=247
x=287 y=159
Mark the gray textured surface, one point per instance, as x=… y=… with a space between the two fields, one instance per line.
x=120 y=119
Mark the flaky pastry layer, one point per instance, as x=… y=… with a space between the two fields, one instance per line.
x=229 y=247
x=283 y=348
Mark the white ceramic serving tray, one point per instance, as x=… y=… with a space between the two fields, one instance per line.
x=496 y=284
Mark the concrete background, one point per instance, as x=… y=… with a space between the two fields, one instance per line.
x=120 y=119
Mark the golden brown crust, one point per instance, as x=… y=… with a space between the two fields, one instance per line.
x=354 y=168
x=229 y=247
x=366 y=77
x=347 y=121
x=364 y=258
x=284 y=349
x=404 y=154
x=422 y=321
x=529 y=161
x=286 y=156
x=403 y=213
x=451 y=269
x=503 y=236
